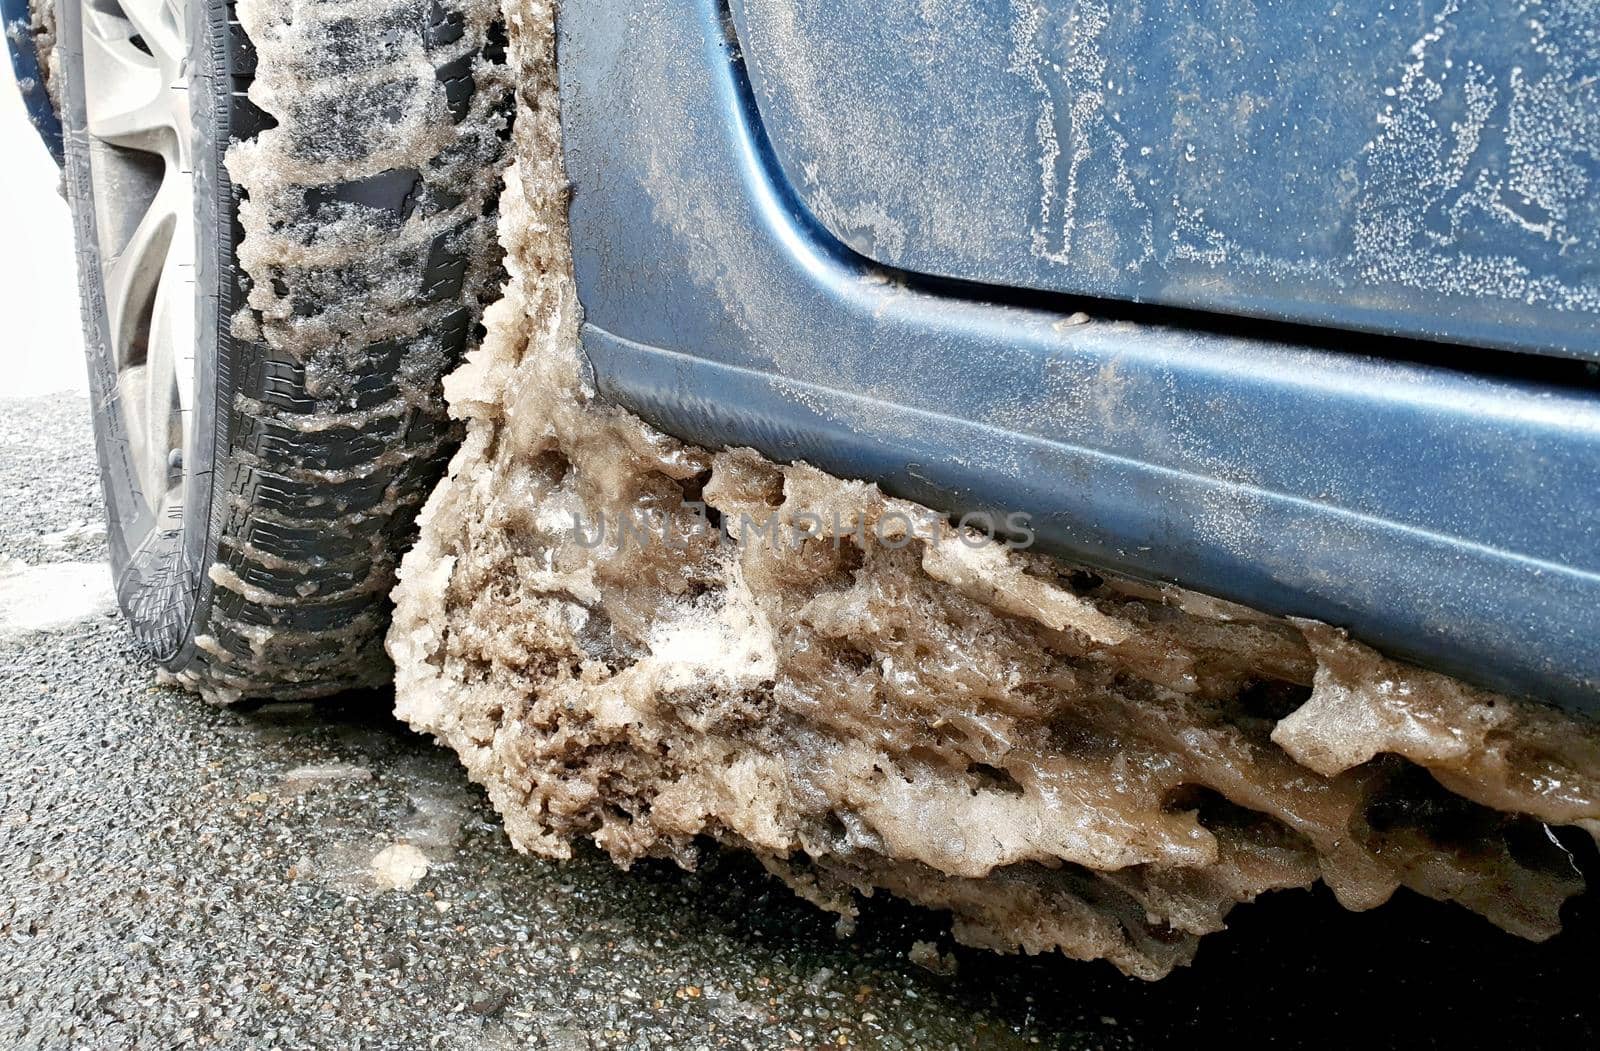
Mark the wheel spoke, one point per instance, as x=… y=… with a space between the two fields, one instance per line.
x=127 y=100
x=160 y=24
x=160 y=412
x=133 y=393
x=131 y=278
x=172 y=350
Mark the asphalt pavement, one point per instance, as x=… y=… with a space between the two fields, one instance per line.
x=175 y=875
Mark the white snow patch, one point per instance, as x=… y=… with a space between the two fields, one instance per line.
x=75 y=532
x=398 y=867
x=38 y=598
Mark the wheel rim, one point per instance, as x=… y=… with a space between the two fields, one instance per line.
x=139 y=130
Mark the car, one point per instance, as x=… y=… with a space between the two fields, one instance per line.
x=1229 y=324
x=1324 y=354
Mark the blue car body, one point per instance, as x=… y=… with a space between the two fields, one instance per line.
x=1296 y=306
x=835 y=232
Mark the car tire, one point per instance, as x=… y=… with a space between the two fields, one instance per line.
x=308 y=425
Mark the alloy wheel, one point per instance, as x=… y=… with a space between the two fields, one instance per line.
x=136 y=80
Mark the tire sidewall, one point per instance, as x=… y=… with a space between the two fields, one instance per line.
x=158 y=566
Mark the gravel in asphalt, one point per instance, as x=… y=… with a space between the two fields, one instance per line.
x=172 y=874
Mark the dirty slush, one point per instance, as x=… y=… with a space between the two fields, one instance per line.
x=1060 y=759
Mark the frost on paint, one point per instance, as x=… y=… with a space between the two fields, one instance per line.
x=1060 y=759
